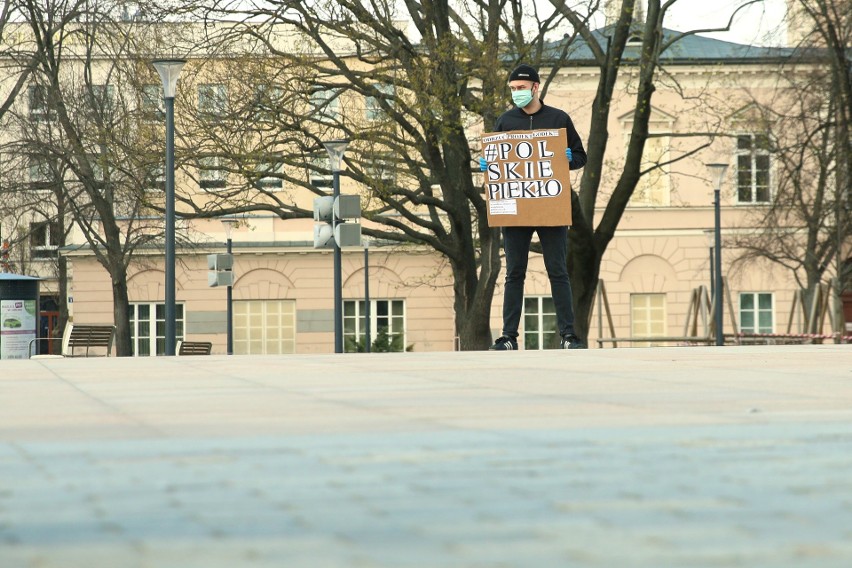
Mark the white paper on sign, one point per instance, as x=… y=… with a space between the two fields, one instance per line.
x=503 y=206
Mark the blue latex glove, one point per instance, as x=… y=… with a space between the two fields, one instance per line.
x=569 y=155
x=483 y=165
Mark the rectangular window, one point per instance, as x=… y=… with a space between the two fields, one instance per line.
x=212 y=100
x=373 y=103
x=382 y=169
x=40 y=173
x=211 y=175
x=653 y=188
x=647 y=316
x=44 y=239
x=39 y=105
x=320 y=174
x=753 y=175
x=540 y=327
x=264 y=327
x=155 y=178
x=326 y=102
x=267 y=101
x=102 y=99
x=148 y=328
x=756 y=312
x=96 y=162
x=387 y=325
x=151 y=103
x=270 y=172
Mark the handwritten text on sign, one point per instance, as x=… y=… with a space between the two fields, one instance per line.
x=528 y=178
x=520 y=165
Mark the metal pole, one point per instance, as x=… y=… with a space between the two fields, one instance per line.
x=712 y=274
x=338 y=282
x=720 y=336
x=230 y=322
x=170 y=339
x=367 y=298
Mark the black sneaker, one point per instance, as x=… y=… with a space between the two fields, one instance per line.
x=504 y=344
x=573 y=342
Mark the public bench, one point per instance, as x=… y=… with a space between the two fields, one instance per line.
x=85 y=337
x=194 y=347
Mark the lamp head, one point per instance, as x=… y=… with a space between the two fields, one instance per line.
x=169 y=70
x=335 y=149
x=229 y=223
x=717 y=174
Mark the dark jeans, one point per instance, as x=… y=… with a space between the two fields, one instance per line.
x=554 y=244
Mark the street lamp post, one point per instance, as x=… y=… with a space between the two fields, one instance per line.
x=169 y=70
x=336 y=149
x=717 y=173
x=367 y=295
x=712 y=267
x=230 y=223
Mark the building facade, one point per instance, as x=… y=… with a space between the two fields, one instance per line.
x=655 y=275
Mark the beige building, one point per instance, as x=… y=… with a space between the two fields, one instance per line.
x=653 y=271
x=282 y=293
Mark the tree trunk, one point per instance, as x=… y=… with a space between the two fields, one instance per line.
x=584 y=261
x=61 y=270
x=120 y=307
x=474 y=292
x=473 y=325
x=62 y=277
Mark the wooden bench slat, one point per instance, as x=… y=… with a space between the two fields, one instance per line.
x=195 y=347
x=87 y=336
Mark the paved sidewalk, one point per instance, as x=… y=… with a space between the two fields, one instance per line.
x=669 y=457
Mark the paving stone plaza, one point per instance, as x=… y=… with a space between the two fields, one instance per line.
x=659 y=457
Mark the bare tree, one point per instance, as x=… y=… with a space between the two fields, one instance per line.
x=21 y=204
x=33 y=203
x=409 y=100
x=831 y=25
x=807 y=226
x=17 y=58
x=422 y=89
x=91 y=131
x=589 y=237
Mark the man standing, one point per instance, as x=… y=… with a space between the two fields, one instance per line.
x=530 y=113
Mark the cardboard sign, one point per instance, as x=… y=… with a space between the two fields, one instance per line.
x=527 y=183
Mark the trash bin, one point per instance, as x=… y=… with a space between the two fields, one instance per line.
x=19 y=305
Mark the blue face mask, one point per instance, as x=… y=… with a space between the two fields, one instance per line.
x=522 y=98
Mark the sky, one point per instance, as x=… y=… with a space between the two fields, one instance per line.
x=758 y=24
x=761 y=23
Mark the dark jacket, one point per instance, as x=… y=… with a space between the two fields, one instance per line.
x=546 y=117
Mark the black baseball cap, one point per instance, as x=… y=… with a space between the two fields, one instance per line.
x=524 y=73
